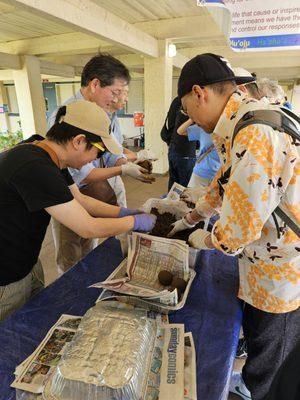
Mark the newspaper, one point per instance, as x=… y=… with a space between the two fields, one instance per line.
x=190 y=382
x=166 y=375
x=32 y=373
x=147 y=256
x=175 y=192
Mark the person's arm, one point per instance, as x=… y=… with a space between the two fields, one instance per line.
x=81 y=215
x=112 y=160
x=130 y=155
x=74 y=216
x=94 y=207
x=121 y=161
x=206 y=206
x=182 y=129
x=100 y=174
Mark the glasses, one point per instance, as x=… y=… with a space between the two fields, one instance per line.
x=100 y=148
x=183 y=112
x=116 y=93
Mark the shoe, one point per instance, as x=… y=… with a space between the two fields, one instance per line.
x=238 y=386
x=241 y=349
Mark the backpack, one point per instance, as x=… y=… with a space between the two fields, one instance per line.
x=166 y=133
x=282 y=123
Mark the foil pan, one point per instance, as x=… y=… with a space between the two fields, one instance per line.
x=108 y=358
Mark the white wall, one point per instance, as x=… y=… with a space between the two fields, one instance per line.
x=64 y=91
x=127 y=127
x=136 y=96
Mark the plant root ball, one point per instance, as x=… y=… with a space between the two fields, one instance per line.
x=146 y=164
x=179 y=284
x=165 y=277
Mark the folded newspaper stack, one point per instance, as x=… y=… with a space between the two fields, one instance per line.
x=137 y=276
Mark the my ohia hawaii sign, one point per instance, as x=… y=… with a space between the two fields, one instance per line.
x=257 y=24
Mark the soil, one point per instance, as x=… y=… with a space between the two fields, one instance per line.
x=163 y=226
x=146 y=164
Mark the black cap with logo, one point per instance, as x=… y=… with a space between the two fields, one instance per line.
x=203 y=70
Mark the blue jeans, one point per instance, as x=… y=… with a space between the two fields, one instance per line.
x=180 y=168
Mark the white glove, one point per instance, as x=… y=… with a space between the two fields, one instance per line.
x=143 y=155
x=197 y=239
x=181 y=225
x=192 y=195
x=136 y=172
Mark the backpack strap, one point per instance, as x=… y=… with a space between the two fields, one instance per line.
x=274 y=119
x=285 y=218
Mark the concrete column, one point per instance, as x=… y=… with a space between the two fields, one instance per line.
x=4 y=118
x=158 y=95
x=30 y=97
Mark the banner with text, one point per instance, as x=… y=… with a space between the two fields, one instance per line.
x=261 y=25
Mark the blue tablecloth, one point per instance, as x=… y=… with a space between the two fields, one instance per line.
x=212 y=312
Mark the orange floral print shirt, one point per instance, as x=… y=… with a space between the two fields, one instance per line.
x=265 y=172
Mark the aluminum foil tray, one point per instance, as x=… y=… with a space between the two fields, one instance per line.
x=108 y=358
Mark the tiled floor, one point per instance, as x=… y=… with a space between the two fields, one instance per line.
x=137 y=194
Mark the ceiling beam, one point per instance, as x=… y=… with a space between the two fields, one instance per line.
x=250 y=59
x=86 y=16
x=184 y=28
x=9 y=61
x=278 y=73
x=181 y=30
x=63 y=43
x=79 y=61
x=50 y=68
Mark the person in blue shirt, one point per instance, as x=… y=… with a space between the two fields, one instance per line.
x=207 y=162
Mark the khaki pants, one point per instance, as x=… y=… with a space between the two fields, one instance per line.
x=14 y=295
x=69 y=247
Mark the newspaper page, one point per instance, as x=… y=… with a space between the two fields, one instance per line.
x=147 y=256
x=166 y=376
x=31 y=374
x=175 y=192
x=190 y=381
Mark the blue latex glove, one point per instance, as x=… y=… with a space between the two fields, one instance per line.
x=144 y=222
x=124 y=212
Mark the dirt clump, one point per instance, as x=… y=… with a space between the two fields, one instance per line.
x=164 y=223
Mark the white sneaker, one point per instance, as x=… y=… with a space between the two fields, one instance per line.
x=238 y=386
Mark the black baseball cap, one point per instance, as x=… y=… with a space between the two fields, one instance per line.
x=203 y=70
